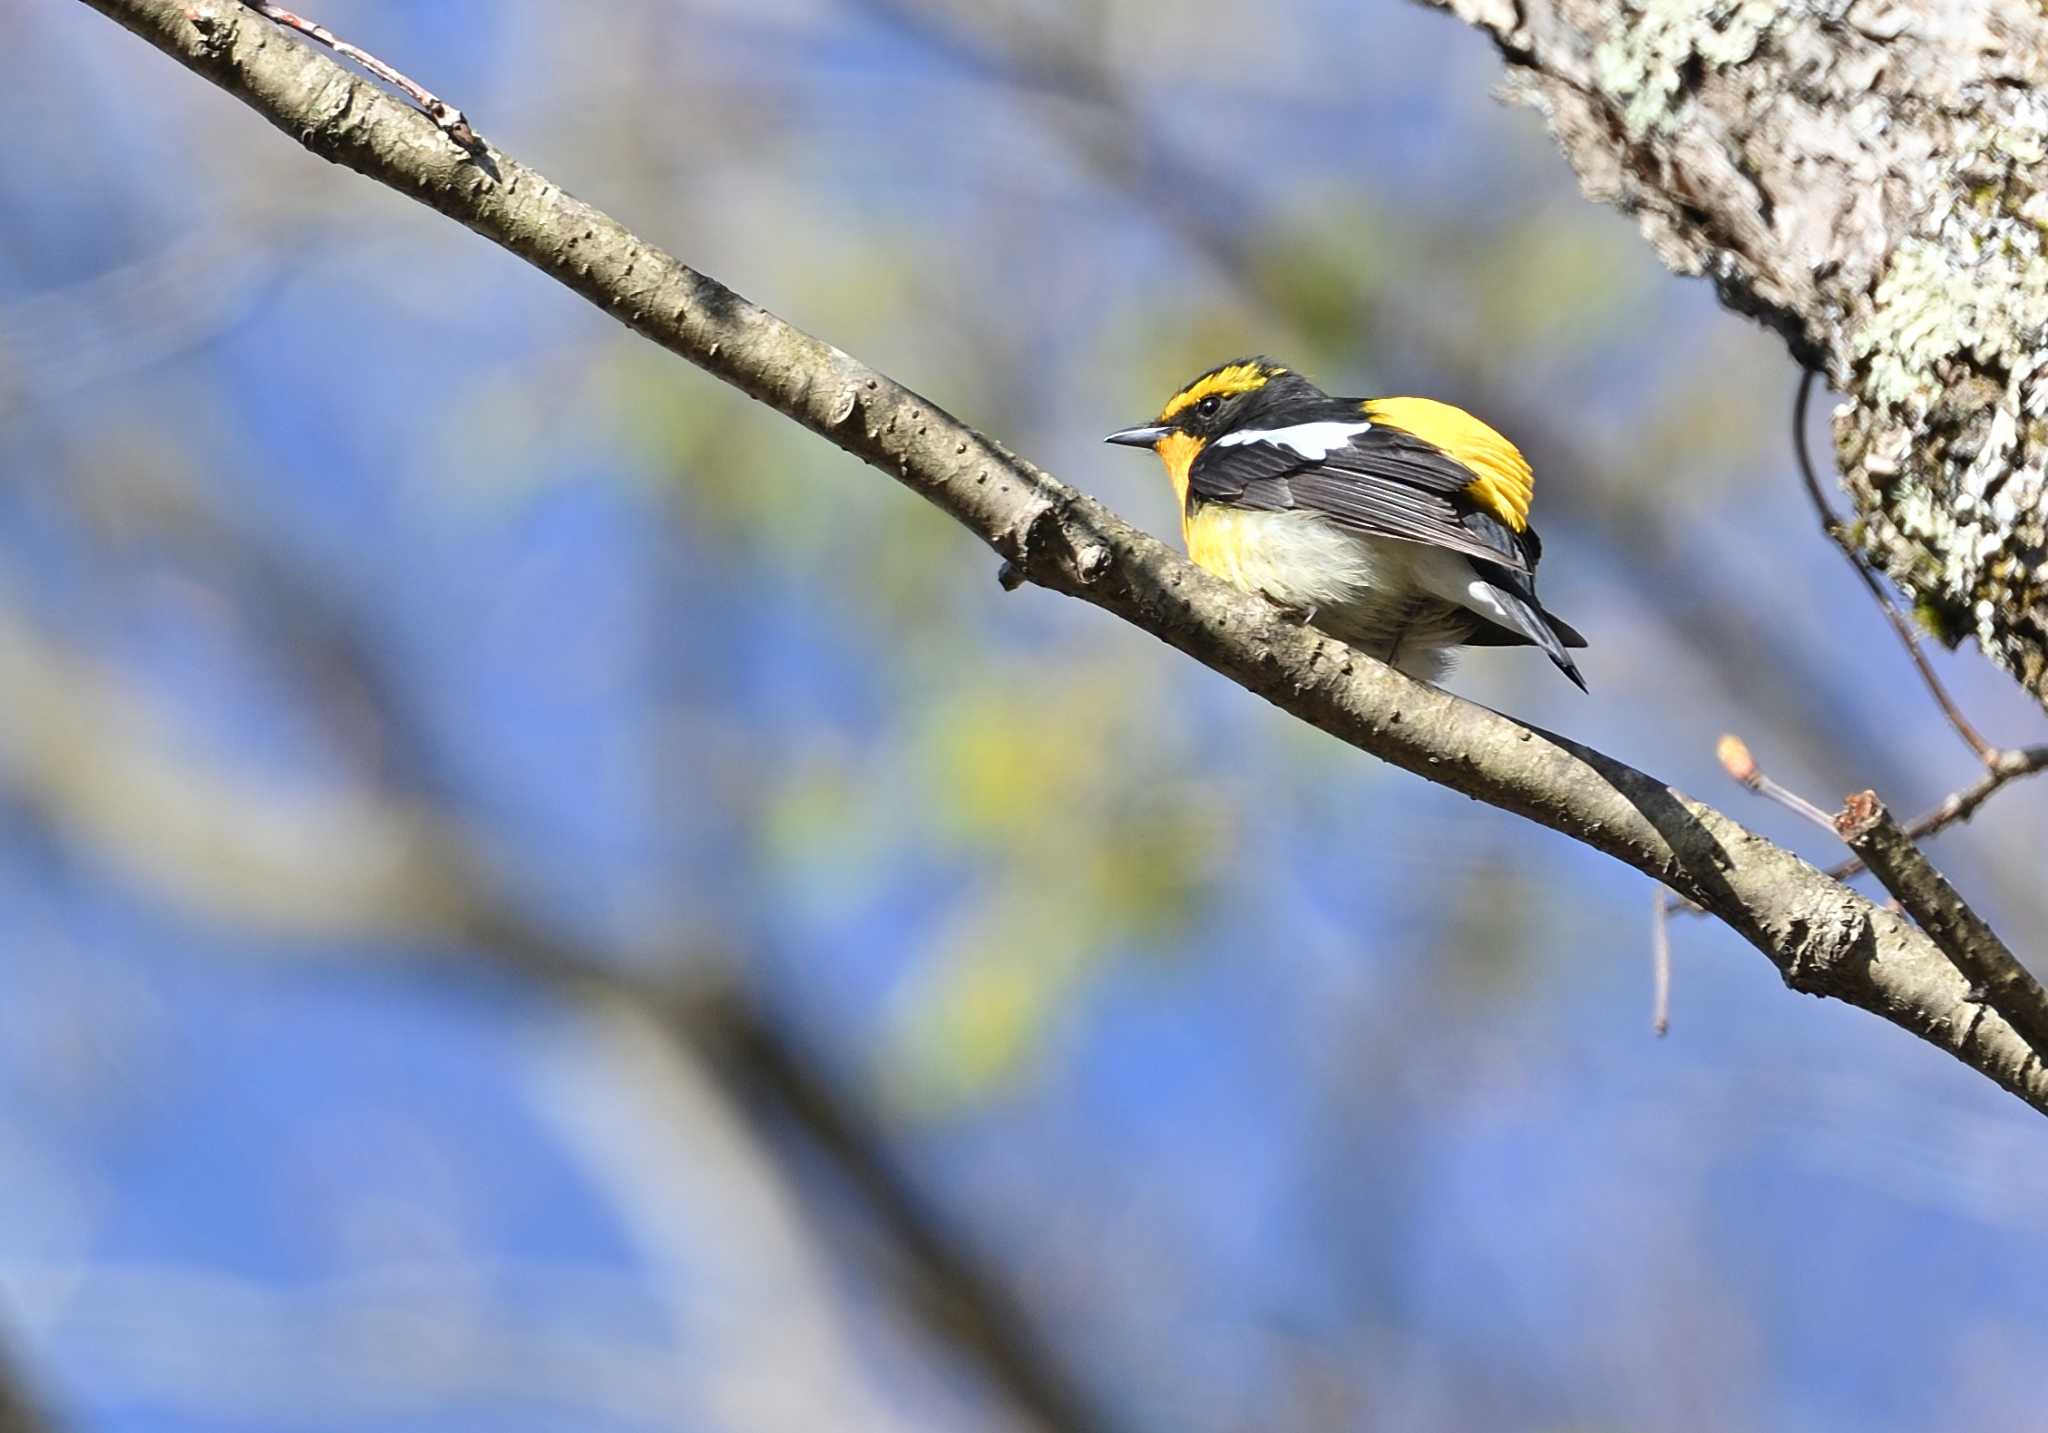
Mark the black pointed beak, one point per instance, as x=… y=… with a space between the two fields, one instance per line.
x=1138 y=437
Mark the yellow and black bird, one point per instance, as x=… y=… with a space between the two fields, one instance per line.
x=1398 y=525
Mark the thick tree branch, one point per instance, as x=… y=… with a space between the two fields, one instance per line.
x=1868 y=178
x=942 y=1280
x=1824 y=938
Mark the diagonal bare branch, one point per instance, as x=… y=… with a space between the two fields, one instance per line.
x=1999 y=978
x=1823 y=938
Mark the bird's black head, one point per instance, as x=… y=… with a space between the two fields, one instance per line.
x=1231 y=395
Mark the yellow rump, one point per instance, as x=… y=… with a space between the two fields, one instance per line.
x=1501 y=481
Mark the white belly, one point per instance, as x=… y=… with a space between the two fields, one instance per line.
x=1378 y=594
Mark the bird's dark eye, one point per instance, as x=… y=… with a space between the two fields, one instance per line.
x=1208 y=406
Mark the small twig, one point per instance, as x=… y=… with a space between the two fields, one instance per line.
x=446 y=115
x=1995 y=974
x=1901 y=625
x=2006 y=766
x=2001 y=764
x=1660 y=962
x=1734 y=755
x=1738 y=763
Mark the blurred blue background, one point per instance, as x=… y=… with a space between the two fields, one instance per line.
x=536 y=895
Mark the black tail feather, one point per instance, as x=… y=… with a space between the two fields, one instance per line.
x=1533 y=625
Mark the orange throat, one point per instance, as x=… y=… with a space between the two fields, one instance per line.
x=1178 y=452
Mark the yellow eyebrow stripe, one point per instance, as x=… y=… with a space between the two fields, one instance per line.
x=1502 y=483
x=1237 y=378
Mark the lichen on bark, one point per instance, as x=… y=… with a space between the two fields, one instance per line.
x=1870 y=178
x=1947 y=451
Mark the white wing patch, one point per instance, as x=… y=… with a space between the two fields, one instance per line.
x=1314 y=441
x=1484 y=598
x=1449 y=576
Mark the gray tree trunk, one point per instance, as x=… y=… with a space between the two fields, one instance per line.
x=1870 y=179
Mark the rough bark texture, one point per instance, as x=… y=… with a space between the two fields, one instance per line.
x=1824 y=938
x=1870 y=178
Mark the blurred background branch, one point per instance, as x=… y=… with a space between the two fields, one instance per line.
x=94 y=760
x=21 y=1409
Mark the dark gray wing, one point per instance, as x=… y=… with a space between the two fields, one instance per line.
x=1383 y=483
